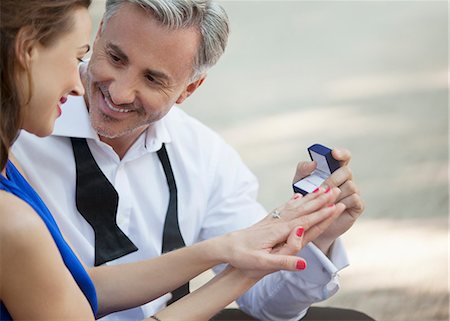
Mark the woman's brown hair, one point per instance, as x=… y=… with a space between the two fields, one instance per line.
x=47 y=20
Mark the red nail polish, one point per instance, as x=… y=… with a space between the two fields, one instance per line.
x=316 y=190
x=328 y=189
x=300 y=231
x=301 y=265
x=330 y=205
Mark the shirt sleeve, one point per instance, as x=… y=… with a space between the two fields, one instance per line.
x=232 y=192
x=282 y=295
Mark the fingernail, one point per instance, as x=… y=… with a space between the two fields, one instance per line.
x=330 y=205
x=296 y=196
x=301 y=265
x=328 y=189
x=316 y=190
x=300 y=231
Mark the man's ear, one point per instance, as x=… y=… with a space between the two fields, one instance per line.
x=189 y=90
x=25 y=46
x=99 y=30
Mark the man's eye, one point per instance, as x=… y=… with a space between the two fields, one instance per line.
x=114 y=57
x=154 y=81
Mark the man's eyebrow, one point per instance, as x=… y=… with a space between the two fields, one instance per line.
x=118 y=51
x=154 y=73
x=158 y=74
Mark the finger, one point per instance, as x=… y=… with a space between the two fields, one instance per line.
x=339 y=177
x=276 y=262
x=342 y=155
x=354 y=205
x=307 y=221
x=315 y=230
x=310 y=203
x=347 y=189
x=294 y=243
x=296 y=196
x=295 y=202
x=290 y=210
x=304 y=169
x=276 y=249
x=311 y=220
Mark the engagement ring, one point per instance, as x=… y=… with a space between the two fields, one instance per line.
x=276 y=213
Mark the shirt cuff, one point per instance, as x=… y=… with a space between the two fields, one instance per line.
x=338 y=255
x=286 y=295
x=321 y=269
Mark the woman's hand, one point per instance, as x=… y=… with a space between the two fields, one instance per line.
x=271 y=244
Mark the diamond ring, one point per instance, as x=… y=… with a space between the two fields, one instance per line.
x=276 y=213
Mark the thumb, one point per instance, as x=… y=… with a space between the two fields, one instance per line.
x=342 y=155
x=304 y=169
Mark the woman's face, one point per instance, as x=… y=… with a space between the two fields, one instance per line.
x=54 y=74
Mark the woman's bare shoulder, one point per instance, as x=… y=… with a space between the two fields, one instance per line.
x=32 y=268
x=18 y=221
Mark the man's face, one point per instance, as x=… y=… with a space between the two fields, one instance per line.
x=137 y=71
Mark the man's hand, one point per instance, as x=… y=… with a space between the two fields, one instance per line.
x=272 y=244
x=349 y=196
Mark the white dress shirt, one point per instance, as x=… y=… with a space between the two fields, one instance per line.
x=216 y=195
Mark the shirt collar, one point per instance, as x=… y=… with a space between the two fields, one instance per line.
x=74 y=122
x=157 y=134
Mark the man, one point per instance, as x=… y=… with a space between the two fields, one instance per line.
x=173 y=176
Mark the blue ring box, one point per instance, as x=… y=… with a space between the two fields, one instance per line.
x=326 y=165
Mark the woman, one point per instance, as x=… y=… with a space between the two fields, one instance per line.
x=41 y=44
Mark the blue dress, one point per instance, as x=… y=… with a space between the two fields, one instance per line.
x=16 y=184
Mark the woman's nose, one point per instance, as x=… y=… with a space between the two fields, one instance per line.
x=78 y=89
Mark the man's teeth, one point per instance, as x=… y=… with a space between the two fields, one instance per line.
x=119 y=110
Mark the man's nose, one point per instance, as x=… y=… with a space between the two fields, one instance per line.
x=122 y=90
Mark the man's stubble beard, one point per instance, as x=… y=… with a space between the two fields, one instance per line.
x=101 y=122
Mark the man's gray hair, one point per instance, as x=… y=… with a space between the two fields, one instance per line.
x=206 y=15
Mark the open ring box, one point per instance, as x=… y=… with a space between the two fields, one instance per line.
x=326 y=165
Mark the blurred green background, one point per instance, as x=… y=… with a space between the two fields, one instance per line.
x=370 y=76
